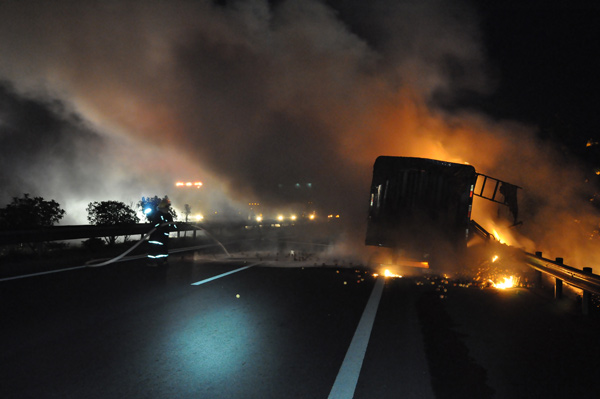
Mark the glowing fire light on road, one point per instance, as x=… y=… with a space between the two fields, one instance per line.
x=495 y=258
x=388 y=273
x=509 y=282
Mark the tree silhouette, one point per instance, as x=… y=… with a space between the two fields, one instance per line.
x=30 y=213
x=186 y=211
x=111 y=213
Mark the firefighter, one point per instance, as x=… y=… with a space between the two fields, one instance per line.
x=158 y=242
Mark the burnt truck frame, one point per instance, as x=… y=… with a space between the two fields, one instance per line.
x=421 y=207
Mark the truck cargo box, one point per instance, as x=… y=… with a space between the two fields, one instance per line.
x=418 y=205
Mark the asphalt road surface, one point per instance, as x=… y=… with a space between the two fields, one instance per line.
x=239 y=328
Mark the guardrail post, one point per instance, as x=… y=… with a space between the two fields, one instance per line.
x=558 y=285
x=586 y=300
x=538 y=274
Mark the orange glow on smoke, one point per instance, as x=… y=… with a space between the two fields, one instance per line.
x=406 y=126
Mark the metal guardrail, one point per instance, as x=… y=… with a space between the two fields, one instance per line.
x=584 y=279
x=60 y=233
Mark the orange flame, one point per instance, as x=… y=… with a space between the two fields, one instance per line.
x=509 y=282
x=387 y=273
x=497 y=236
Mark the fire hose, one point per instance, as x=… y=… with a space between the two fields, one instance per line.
x=115 y=259
x=145 y=238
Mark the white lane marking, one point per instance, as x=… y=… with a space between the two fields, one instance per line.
x=347 y=378
x=224 y=274
x=43 y=273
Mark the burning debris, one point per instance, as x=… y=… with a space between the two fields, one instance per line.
x=500 y=266
x=387 y=273
x=507 y=283
x=491 y=266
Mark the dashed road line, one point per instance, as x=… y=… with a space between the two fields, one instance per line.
x=224 y=274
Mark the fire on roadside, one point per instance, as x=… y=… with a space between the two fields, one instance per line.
x=500 y=282
x=509 y=282
x=387 y=273
x=499 y=272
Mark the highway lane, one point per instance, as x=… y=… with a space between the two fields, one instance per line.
x=128 y=330
x=528 y=344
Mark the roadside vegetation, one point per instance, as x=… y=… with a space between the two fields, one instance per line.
x=27 y=213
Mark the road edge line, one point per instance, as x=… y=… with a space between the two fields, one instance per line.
x=347 y=378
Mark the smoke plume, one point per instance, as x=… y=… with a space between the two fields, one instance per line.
x=258 y=98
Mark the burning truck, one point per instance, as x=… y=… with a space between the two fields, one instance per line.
x=420 y=209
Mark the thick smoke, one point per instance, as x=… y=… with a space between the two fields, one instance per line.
x=255 y=97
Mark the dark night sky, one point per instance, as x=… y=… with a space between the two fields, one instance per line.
x=546 y=64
